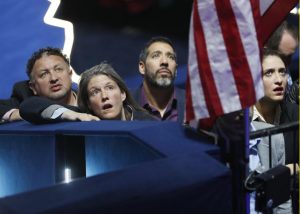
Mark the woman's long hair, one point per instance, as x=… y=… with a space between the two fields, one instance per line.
x=104 y=69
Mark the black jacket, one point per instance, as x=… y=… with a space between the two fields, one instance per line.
x=180 y=98
x=290 y=113
x=292 y=95
x=21 y=91
x=31 y=110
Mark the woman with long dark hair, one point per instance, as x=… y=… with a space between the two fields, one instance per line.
x=103 y=93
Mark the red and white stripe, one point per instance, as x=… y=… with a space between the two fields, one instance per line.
x=224 y=58
x=224 y=68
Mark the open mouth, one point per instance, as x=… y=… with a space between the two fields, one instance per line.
x=278 y=89
x=107 y=106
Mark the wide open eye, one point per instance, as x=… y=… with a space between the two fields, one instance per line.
x=94 y=92
x=283 y=71
x=269 y=72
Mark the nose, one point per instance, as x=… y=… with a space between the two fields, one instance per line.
x=164 y=61
x=278 y=78
x=104 y=95
x=53 y=77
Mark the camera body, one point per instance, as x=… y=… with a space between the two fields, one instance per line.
x=273 y=188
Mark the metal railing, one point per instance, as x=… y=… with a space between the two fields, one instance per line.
x=268 y=132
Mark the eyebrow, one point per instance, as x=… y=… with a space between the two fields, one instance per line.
x=157 y=51
x=160 y=52
x=273 y=69
x=171 y=53
x=106 y=84
x=55 y=66
x=268 y=69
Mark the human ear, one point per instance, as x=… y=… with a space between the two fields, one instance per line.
x=31 y=86
x=123 y=96
x=142 y=67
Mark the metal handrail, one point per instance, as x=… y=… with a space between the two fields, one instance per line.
x=274 y=130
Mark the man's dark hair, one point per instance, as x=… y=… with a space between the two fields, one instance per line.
x=39 y=53
x=274 y=40
x=144 y=53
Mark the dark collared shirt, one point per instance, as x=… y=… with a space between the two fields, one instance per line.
x=171 y=113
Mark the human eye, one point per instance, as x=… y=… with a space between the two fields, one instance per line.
x=282 y=71
x=109 y=87
x=172 y=56
x=268 y=73
x=58 y=69
x=94 y=92
x=44 y=74
x=155 y=55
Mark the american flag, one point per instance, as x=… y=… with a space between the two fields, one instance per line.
x=224 y=67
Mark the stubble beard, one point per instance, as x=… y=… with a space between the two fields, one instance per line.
x=159 y=82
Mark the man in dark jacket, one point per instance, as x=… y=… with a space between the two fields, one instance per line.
x=20 y=92
x=49 y=75
x=157 y=94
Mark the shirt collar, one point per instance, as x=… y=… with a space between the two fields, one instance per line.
x=257 y=116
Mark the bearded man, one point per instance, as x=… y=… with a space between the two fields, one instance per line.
x=157 y=94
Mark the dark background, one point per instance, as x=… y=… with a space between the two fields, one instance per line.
x=116 y=30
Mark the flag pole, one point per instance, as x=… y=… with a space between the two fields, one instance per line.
x=247 y=150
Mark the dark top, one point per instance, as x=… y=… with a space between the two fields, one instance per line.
x=232 y=130
x=175 y=109
x=293 y=93
x=31 y=110
x=140 y=115
x=289 y=114
x=21 y=91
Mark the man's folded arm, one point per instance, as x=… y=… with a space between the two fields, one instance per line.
x=41 y=110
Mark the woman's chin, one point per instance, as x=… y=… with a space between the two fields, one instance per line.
x=110 y=117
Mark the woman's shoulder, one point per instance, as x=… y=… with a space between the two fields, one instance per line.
x=290 y=111
x=142 y=115
x=292 y=107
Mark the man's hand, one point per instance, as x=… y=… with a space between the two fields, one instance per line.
x=15 y=116
x=76 y=116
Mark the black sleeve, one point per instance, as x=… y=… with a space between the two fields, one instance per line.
x=6 y=105
x=143 y=115
x=293 y=93
x=31 y=110
x=20 y=92
x=289 y=114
